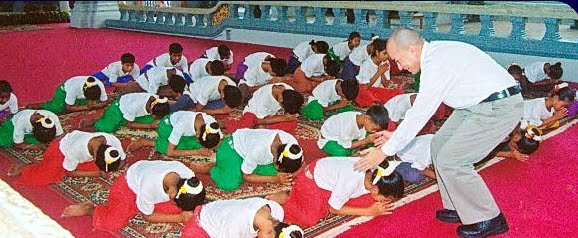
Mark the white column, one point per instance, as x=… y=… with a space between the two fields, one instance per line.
x=63 y=6
x=92 y=14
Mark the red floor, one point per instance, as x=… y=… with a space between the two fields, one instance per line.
x=539 y=197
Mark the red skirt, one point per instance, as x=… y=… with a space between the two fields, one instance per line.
x=249 y=120
x=368 y=96
x=121 y=206
x=49 y=169
x=193 y=227
x=307 y=203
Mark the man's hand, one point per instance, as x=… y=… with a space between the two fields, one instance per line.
x=370 y=160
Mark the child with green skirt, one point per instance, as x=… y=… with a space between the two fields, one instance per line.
x=134 y=110
x=255 y=156
x=80 y=93
x=331 y=95
x=344 y=133
x=30 y=129
x=184 y=133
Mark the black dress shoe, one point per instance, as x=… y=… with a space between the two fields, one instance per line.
x=494 y=226
x=449 y=216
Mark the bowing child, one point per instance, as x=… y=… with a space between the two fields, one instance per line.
x=8 y=101
x=174 y=58
x=119 y=72
x=30 y=129
x=80 y=93
x=331 y=95
x=213 y=95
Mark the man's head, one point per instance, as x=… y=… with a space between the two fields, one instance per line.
x=404 y=47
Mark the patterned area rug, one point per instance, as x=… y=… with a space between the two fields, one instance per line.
x=23 y=28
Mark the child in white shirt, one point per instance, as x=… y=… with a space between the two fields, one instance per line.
x=119 y=72
x=162 y=191
x=331 y=185
x=240 y=218
x=343 y=134
x=540 y=71
x=314 y=70
x=80 y=93
x=331 y=95
x=340 y=51
x=212 y=95
x=415 y=160
x=204 y=67
x=546 y=112
x=163 y=81
x=222 y=53
x=8 y=101
x=174 y=58
x=355 y=59
x=30 y=129
x=303 y=50
x=257 y=70
x=264 y=107
x=77 y=154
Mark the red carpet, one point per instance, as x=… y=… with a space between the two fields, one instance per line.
x=539 y=198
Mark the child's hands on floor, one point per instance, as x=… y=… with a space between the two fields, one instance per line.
x=519 y=156
x=285 y=178
x=380 y=208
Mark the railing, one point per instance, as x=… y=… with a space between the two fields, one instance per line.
x=337 y=19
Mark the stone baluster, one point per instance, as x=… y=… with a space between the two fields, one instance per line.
x=381 y=18
x=188 y=19
x=169 y=18
x=150 y=17
x=132 y=16
x=200 y=20
x=266 y=13
x=140 y=16
x=300 y=15
x=338 y=15
x=430 y=20
x=405 y=19
x=320 y=16
x=518 y=27
x=282 y=10
x=123 y=15
x=160 y=18
x=359 y=16
x=487 y=29
x=179 y=19
x=457 y=24
x=552 y=32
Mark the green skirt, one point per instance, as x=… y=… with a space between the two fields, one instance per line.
x=227 y=171
x=332 y=148
x=165 y=129
x=112 y=119
x=58 y=103
x=334 y=56
x=7 y=135
x=314 y=110
x=415 y=84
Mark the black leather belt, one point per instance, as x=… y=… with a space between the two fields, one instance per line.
x=503 y=94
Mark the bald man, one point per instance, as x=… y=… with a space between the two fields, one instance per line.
x=487 y=104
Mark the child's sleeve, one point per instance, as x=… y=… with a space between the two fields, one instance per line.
x=13 y=104
x=135 y=72
x=176 y=135
x=247 y=167
x=18 y=134
x=342 y=192
x=70 y=99
x=69 y=164
x=103 y=96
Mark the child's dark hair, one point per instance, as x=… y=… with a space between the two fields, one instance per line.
x=515 y=69
x=189 y=201
x=5 y=87
x=217 y=68
x=353 y=35
x=293 y=234
x=288 y=165
x=332 y=68
x=322 y=47
x=350 y=89
x=175 y=48
x=528 y=144
x=209 y=140
x=127 y=58
x=160 y=110
x=177 y=83
x=378 y=115
x=233 y=97
x=556 y=71
x=389 y=185
x=292 y=101
x=100 y=160
x=565 y=94
x=378 y=45
x=223 y=51
x=278 y=66
x=43 y=134
x=93 y=92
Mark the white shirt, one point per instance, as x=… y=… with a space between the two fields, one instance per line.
x=74 y=147
x=74 y=89
x=313 y=65
x=337 y=174
x=255 y=75
x=263 y=103
x=164 y=60
x=213 y=54
x=183 y=123
x=303 y=50
x=199 y=68
x=145 y=179
x=358 y=55
x=535 y=72
x=534 y=112
x=234 y=218
x=206 y=89
x=455 y=73
x=11 y=104
x=367 y=70
x=23 y=126
x=254 y=146
x=418 y=152
x=398 y=106
x=341 y=128
x=325 y=93
x=155 y=78
x=114 y=71
x=134 y=105
x=342 y=50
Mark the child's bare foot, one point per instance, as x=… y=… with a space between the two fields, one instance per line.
x=16 y=169
x=76 y=210
x=87 y=123
x=202 y=168
x=280 y=197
